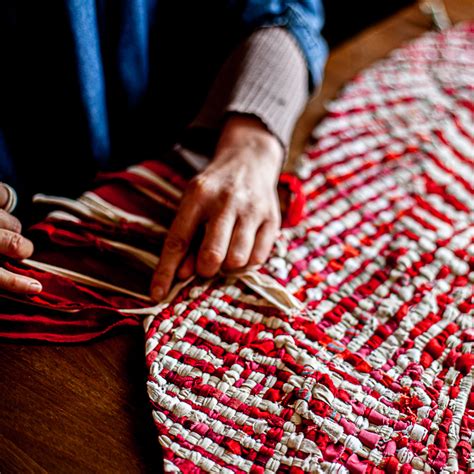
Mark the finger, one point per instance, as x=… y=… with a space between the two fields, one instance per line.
x=242 y=243
x=14 y=245
x=18 y=283
x=187 y=267
x=264 y=240
x=9 y=222
x=175 y=248
x=4 y=194
x=215 y=244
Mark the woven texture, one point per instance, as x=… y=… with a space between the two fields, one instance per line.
x=351 y=350
x=374 y=374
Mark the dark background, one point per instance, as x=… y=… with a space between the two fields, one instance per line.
x=345 y=18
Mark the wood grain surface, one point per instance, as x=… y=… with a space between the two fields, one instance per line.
x=83 y=408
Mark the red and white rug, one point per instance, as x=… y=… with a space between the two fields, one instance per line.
x=374 y=372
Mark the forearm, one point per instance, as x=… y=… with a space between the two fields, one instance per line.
x=266 y=77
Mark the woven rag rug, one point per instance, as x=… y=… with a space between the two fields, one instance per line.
x=351 y=349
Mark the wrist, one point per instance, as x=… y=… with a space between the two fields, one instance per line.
x=247 y=131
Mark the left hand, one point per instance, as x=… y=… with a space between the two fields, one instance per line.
x=235 y=198
x=13 y=245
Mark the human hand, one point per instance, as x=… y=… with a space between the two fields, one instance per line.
x=236 y=200
x=14 y=245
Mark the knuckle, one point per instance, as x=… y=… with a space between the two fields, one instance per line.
x=271 y=238
x=262 y=252
x=228 y=194
x=164 y=274
x=244 y=197
x=236 y=260
x=251 y=208
x=8 y=221
x=4 y=239
x=15 y=283
x=175 y=244
x=232 y=198
x=258 y=258
x=14 y=244
x=15 y=224
x=223 y=221
x=211 y=257
x=10 y=281
x=200 y=186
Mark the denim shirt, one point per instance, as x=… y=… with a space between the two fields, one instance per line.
x=86 y=75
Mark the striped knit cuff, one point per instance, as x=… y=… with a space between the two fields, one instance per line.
x=265 y=76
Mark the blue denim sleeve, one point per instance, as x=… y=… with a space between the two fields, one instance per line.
x=304 y=19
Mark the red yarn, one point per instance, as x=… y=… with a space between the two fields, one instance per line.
x=464 y=363
x=295 y=210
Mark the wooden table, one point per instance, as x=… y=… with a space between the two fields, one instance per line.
x=84 y=408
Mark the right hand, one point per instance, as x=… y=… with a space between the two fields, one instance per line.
x=14 y=245
x=235 y=200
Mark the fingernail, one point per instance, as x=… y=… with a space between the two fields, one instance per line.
x=35 y=287
x=157 y=294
